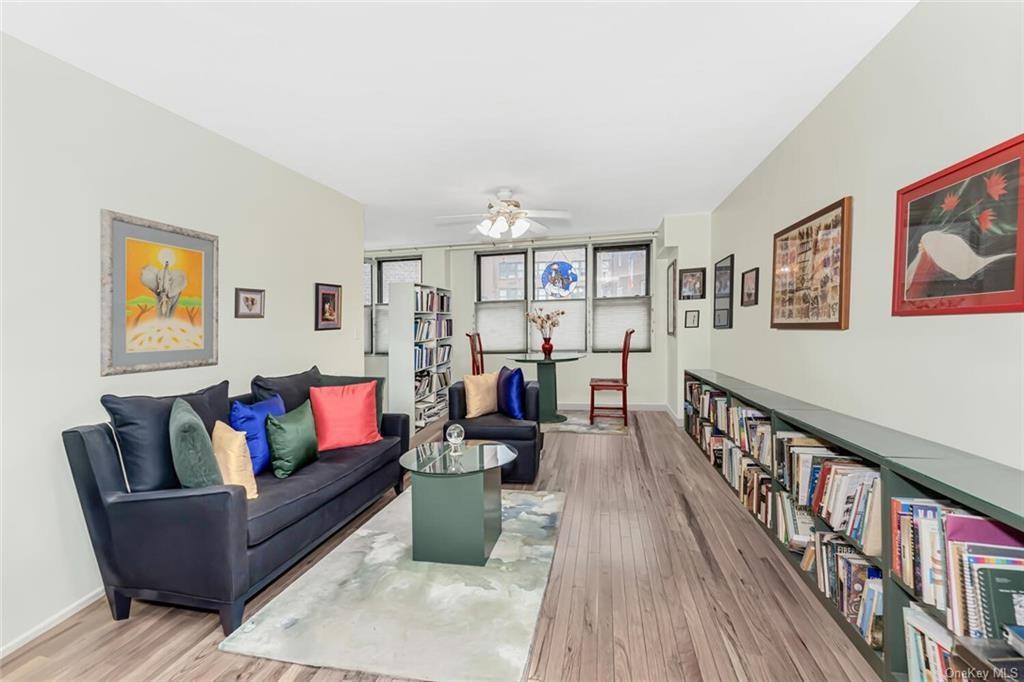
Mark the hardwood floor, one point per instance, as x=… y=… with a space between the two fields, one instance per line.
x=659 y=574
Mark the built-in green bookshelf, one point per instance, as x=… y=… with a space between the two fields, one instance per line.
x=909 y=467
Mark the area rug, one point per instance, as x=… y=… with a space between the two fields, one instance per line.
x=367 y=606
x=583 y=425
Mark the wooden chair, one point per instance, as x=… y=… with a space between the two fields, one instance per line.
x=476 y=352
x=620 y=385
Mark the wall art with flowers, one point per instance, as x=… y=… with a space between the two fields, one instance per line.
x=959 y=246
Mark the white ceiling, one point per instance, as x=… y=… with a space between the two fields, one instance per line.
x=621 y=113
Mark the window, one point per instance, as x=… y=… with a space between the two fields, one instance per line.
x=404 y=270
x=621 y=296
x=560 y=282
x=501 y=301
x=367 y=307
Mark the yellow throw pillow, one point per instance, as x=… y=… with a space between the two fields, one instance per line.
x=481 y=394
x=233 y=460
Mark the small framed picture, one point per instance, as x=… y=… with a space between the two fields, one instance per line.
x=691 y=319
x=749 y=287
x=691 y=283
x=722 y=319
x=328 y=307
x=250 y=303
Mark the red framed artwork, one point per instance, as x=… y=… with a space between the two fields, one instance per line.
x=959 y=246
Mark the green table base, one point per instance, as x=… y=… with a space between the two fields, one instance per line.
x=456 y=519
x=548 y=393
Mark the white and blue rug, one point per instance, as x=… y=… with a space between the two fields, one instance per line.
x=367 y=606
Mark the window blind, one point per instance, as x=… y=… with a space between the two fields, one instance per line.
x=502 y=326
x=613 y=316
x=571 y=333
x=367 y=329
x=381 y=329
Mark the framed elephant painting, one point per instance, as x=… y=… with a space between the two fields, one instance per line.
x=159 y=296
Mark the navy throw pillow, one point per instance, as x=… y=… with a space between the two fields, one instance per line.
x=293 y=389
x=144 y=437
x=253 y=420
x=511 y=392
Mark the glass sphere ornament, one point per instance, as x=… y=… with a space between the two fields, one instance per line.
x=455 y=434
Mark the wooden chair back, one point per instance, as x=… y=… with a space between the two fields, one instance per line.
x=625 y=354
x=476 y=352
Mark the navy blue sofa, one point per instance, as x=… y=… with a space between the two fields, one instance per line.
x=210 y=548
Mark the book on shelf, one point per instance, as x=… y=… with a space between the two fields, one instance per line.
x=929 y=647
x=794 y=526
x=423 y=329
x=844 y=497
x=444 y=353
x=756 y=490
x=851 y=582
x=445 y=325
x=423 y=357
x=747 y=427
x=1015 y=638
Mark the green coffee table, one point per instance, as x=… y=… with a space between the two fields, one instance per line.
x=548 y=381
x=456 y=500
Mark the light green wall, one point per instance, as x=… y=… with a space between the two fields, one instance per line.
x=73 y=145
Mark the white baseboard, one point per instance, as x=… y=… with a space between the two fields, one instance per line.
x=54 y=620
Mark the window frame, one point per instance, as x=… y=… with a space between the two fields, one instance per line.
x=380 y=273
x=369 y=332
x=484 y=254
x=593 y=297
x=532 y=293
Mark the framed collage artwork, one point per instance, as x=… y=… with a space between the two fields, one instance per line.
x=723 y=293
x=811 y=270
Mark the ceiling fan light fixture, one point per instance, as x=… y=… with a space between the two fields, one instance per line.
x=500 y=227
x=484 y=227
x=519 y=227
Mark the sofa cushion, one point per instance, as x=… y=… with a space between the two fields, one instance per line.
x=498 y=427
x=231 y=451
x=511 y=392
x=335 y=380
x=253 y=420
x=284 y=501
x=292 y=438
x=191 y=448
x=481 y=394
x=293 y=388
x=143 y=434
x=344 y=415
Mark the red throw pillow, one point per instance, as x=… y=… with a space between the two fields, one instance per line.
x=345 y=415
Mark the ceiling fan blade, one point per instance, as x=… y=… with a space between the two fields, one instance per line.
x=548 y=214
x=449 y=219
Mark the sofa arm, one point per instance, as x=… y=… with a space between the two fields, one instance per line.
x=457 y=400
x=396 y=424
x=191 y=541
x=531 y=410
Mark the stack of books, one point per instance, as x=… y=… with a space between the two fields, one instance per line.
x=423 y=329
x=423 y=385
x=444 y=302
x=794 y=527
x=442 y=379
x=444 y=353
x=756 y=490
x=423 y=357
x=929 y=647
x=444 y=328
x=848 y=497
x=748 y=428
x=795 y=449
x=969 y=566
x=425 y=301
x=852 y=583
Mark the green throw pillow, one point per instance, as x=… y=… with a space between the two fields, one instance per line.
x=292 y=439
x=191 y=448
x=335 y=380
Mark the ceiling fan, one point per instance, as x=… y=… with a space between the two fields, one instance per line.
x=505 y=216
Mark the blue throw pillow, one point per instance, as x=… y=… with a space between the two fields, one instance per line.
x=253 y=420
x=511 y=392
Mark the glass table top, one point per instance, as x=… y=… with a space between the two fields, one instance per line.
x=539 y=357
x=444 y=459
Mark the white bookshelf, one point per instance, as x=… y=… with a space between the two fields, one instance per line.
x=419 y=352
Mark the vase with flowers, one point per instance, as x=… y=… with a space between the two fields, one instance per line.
x=545 y=322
